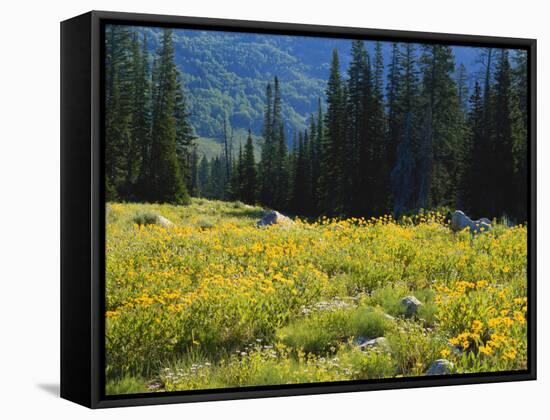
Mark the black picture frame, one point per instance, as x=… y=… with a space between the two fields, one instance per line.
x=83 y=213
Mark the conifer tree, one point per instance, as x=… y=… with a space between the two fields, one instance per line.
x=462 y=88
x=249 y=180
x=165 y=182
x=266 y=163
x=193 y=187
x=142 y=118
x=475 y=152
x=203 y=176
x=508 y=133
x=281 y=170
x=237 y=176
x=521 y=158
x=438 y=168
x=280 y=152
x=330 y=192
x=403 y=180
x=379 y=150
x=118 y=109
x=313 y=157
x=300 y=192
x=395 y=114
x=185 y=138
x=355 y=152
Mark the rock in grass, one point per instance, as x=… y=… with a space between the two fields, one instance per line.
x=388 y=317
x=460 y=221
x=380 y=343
x=411 y=304
x=440 y=367
x=274 y=218
x=152 y=219
x=361 y=340
x=163 y=221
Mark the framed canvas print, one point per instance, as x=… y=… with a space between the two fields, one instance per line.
x=255 y=209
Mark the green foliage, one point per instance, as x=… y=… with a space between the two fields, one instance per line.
x=322 y=331
x=414 y=348
x=144 y=218
x=248 y=185
x=149 y=140
x=372 y=364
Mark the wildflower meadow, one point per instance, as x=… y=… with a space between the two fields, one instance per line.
x=211 y=300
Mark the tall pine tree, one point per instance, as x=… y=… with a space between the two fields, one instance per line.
x=165 y=183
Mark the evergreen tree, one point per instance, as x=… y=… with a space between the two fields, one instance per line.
x=312 y=158
x=521 y=158
x=266 y=164
x=249 y=180
x=237 y=176
x=395 y=114
x=165 y=183
x=437 y=169
x=280 y=152
x=194 y=175
x=203 y=176
x=482 y=203
x=185 y=138
x=403 y=181
x=300 y=191
x=281 y=170
x=142 y=119
x=476 y=152
x=508 y=133
x=464 y=146
x=462 y=88
x=330 y=192
x=355 y=153
x=380 y=170
x=118 y=109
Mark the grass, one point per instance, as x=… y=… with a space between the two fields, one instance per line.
x=323 y=331
x=215 y=302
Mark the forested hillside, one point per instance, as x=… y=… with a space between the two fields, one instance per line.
x=393 y=128
x=227 y=72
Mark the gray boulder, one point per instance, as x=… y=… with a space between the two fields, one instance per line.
x=149 y=218
x=460 y=222
x=380 y=343
x=411 y=305
x=274 y=218
x=440 y=367
x=361 y=340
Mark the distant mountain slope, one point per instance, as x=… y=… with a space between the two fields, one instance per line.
x=227 y=72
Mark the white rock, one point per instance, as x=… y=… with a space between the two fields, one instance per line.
x=164 y=222
x=460 y=221
x=274 y=218
x=380 y=343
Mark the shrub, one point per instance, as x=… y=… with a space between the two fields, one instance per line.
x=414 y=348
x=372 y=364
x=145 y=218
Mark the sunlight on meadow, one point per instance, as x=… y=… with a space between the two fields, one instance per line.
x=213 y=301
